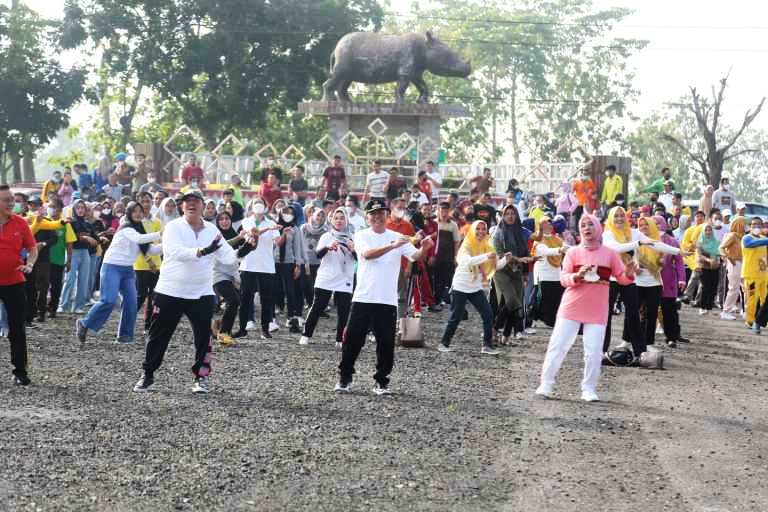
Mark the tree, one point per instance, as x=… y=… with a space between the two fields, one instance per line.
x=35 y=91
x=224 y=63
x=544 y=73
x=708 y=113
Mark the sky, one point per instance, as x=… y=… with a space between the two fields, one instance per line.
x=692 y=43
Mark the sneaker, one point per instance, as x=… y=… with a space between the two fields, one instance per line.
x=702 y=312
x=755 y=328
x=589 y=396
x=145 y=384
x=444 y=348
x=378 y=389
x=30 y=325
x=343 y=387
x=304 y=340
x=727 y=316
x=659 y=329
x=273 y=326
x=80 y=330
x=225 y=339
x=40 y=318
x=250 y=326
x=543 y=392
x=60 y=310
x=520 y=335
x=529 y=330
x=417 y=314
x=79 y=311
x=240 y=334
x=434 y=309
x=671 y=343
x=338 y=345
x=124 y=340
x=201 y=386
x=507 y=340
x=21 y=380
x=680 y=339
x=653 y=348
x=295 y=329
x=265 y=335
x=489 y=351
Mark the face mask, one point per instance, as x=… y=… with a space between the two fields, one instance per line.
x=757 y=231
x=398 y=213
x=151 y=180
x=718 y=223
x=288 y=218
x=50 y=211
x=726 y=187
x=608 y=174
x=349 y=209
x=259 y=209
x=106 y=211
x=619 y=201
x=55 y=180
x=196 y=184
x=584 y=178
x=17 y=208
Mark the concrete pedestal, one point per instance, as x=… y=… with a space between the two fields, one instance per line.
x=421 y=121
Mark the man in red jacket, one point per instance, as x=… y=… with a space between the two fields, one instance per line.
x=15 y=236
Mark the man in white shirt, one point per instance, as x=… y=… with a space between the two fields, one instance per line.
x=185 y=287
x=356 y=220
x=667 y=197
x=436 y=178
x=375 y=182
x=374 y=303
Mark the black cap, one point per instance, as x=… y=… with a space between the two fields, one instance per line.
x=374 y=205
x=192 y=193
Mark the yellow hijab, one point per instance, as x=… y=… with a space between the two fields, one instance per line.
x=622 y=235
x=471 y=246
x=647 y=257
x=552 y=241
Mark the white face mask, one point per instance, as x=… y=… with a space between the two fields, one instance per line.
x=619 y=201
x=151 y=180
x=757 y=231
x=718 y=223
x=106 y=211
x=50 y=211
x=726 y=187
x=288 y=218
x=259 y=209
x=398 y=213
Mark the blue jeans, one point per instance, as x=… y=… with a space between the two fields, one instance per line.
x=458 y=304
x=115 y=278
x=76 y=280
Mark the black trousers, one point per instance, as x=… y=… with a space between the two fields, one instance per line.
x=231 y=297
x=291 y=289
x=442 y=276
x=632 y=331
x=146 y=280
x=42 y=283
x=550 y=294
x=649 y=299
x=265 y=284
x=30 y=295
x=308 y=283
x=709 y=279
x=57 y=280
x=458 y=306
x=15 y=300
x=166 y=315
x=671 y=319
x=322 y=298
x=381 y=319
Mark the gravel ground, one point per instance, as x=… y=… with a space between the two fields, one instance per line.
x=461 y=432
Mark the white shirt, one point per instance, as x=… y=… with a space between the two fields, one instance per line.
x=337 y=268
x=437 y=180
x=182 y=273
x=610 y=241
x=421 y=198
x=375 y=182
x=466 y=281
x=667 y=198
x=377 y=278
x=262 y=258
x=124 y=248
x=357 y=222
x=543 y=270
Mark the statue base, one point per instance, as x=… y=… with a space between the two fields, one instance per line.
x=420 y=121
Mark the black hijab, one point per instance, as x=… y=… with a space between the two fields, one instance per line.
x=226 y=234
x=128 y=222
x=509 y=237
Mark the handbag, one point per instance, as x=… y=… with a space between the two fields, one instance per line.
x=409 y=333
x=652 y=360
x=618 y=357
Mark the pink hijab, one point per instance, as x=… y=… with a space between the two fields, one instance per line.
x=597 y=227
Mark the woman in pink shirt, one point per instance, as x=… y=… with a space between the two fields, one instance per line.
x=586 y=274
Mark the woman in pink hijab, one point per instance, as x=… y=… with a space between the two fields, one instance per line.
x=586 y=274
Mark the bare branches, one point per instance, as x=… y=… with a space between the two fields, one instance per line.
x=748 y=118
x=741 y=152
x=699 y=160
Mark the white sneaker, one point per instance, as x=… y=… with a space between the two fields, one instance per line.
x=589 y=396
x=338 y=345
x=530 y=330
x=543 y=392
x=659 y=329
x=378 y=389
x=201 y=386
x=702 y=312
x=624 y=344
x=273 y=326
x=250 y=326
x=653 y=348
x=727 y=316
x=519 y=335
x=343 y=387
x=489 y=351
x=304 y=341
x=443 y=348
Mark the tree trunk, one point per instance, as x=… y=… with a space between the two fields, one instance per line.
x=102 y=89
x=28 y=161
x=17 y=169
x=513 y=118
x=493 y=118
x=126 y=122
x=715 y=168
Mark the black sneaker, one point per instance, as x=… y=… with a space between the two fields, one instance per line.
x=21 y=380
x=434 y=309
x=265 y=335
x=40 y=318
x=680 y=339
x=30 y=325
x=80 y=330
x=240 y=334
x=202 y=386
x=145 y=384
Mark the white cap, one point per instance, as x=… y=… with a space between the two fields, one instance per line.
x=727 y=213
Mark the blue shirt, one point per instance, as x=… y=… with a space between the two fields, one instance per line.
x=98 y=181
x=84 y=180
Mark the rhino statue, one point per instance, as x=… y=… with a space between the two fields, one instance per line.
x=374 y=58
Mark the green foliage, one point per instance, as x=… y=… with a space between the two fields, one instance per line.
x=35 y=91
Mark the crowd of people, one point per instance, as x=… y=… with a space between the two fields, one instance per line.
x=567 y=260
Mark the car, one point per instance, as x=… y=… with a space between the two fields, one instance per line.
x=753 y=210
